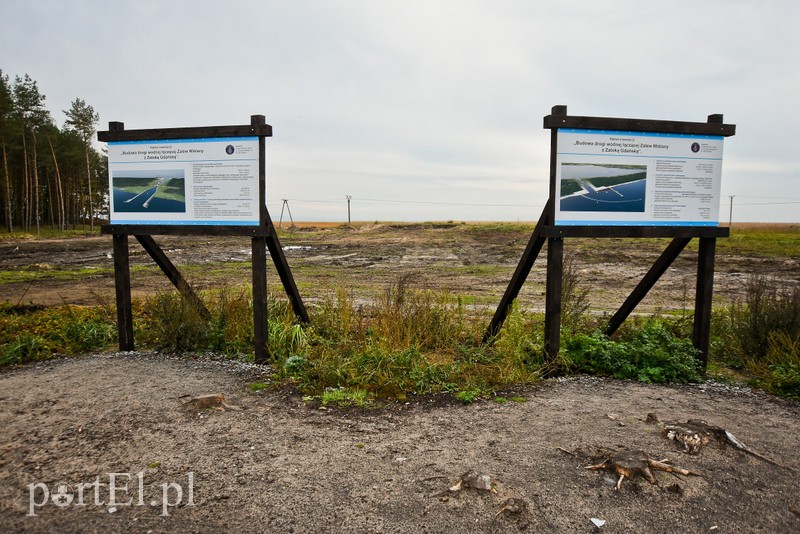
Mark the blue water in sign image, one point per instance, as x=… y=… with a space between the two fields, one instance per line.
x=627 y=197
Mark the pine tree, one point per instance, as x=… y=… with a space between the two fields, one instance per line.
x=82 y=118
x=29 y=107
x=6 y=111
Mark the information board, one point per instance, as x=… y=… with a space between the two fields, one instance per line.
x=213 y=181
x=635 y=178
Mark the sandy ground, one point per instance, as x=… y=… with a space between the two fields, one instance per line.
x=277 y=463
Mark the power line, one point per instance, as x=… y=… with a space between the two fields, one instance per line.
x=766 y=203
x=763 y=197
x=425 y=202
x=446 y=203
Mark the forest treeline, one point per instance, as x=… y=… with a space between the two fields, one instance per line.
x=51 y=176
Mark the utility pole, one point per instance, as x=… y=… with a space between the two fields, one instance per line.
x=348 y=208
x=730 y=217
x=285 y=205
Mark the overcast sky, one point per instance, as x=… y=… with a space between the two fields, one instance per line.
x=432 y=109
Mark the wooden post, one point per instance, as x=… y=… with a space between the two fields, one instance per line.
x=260 y=311
x=701 y=334
x=555 y=255
x=259 y=247
x=552 y=307
x=122 y=284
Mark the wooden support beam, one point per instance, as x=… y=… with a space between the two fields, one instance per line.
x=284 y=272
x=701 y=334
x=552 y=310
x=524 y=267
x=635 y=231
x=260 y=311
x=174 y=229
x=122 y=284
x=647 y=282
x=151 y=247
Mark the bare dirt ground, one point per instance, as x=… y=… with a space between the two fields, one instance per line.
x=277 y=463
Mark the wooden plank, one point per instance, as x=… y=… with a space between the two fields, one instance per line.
x=256 y=121
x=557 y=111
x=701 y=334
x=552 y=310
x=639 y=125
x=284 y=272
x=646 y=284
x=635 y=231
x=167 y=267
x=524 y=266
x=122 y=284
x=114 y=133
x=260 y=310
x=174 y=229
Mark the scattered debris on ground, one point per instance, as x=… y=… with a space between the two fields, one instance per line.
x=508 y=503
x=629 y=464
x=215 y=401
x=695 y=434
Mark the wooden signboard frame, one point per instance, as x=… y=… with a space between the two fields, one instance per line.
x=547 y=231
x=263 y=237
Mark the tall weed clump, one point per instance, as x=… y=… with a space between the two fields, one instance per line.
x=230 y=327
x=404 y=317
x=405 y=340
x=763 y=333
x=32 y=333
x=172 y=324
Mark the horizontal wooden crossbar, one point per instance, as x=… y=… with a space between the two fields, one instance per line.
x=636 y=231
x=201 y=132
x=639 y=125
x=176 y=229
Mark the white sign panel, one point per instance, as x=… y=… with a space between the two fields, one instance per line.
x=634 y=178
x=185 y=181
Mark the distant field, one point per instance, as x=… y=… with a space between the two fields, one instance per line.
x=474 y=260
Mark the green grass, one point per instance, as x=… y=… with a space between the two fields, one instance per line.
x=32 y=273
x=37 y=333
x=762 y=241
x=400 y=341
x=45 y=232
x=346 y=397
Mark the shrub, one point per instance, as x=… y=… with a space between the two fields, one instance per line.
x=766 y=309
x=650 y=354
x=763 y=333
